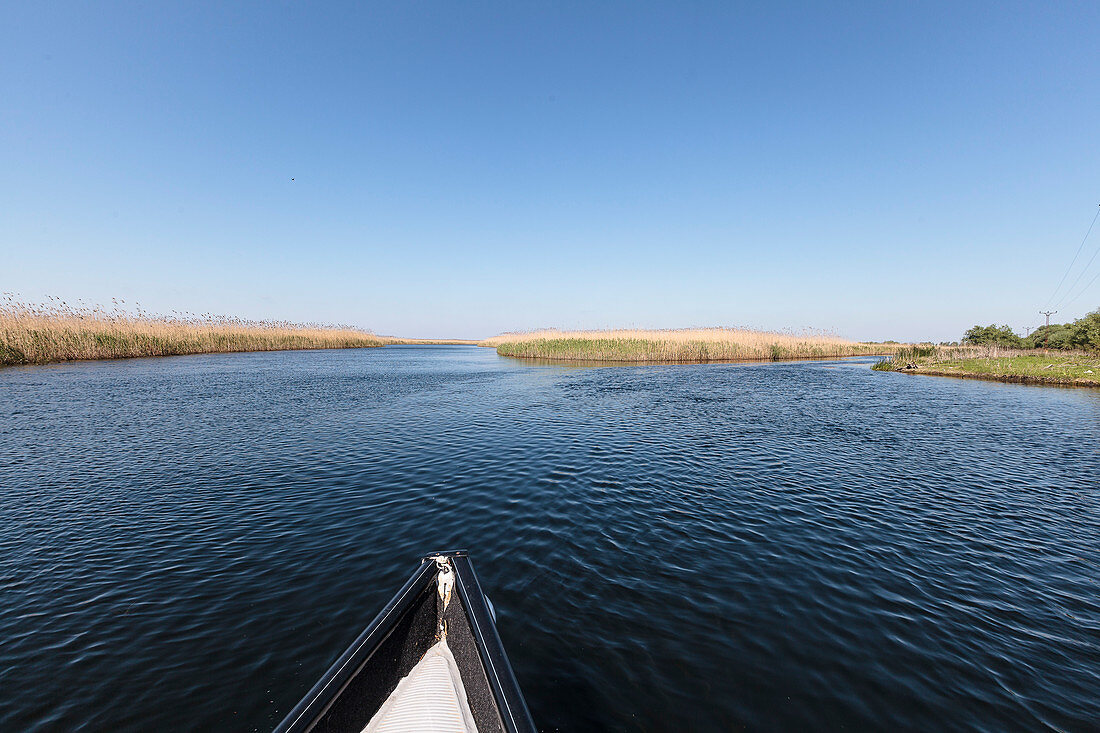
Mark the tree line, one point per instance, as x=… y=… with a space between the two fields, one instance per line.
x=1084 y=333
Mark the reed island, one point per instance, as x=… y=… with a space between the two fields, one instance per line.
x=678 y=346
x=39 y=334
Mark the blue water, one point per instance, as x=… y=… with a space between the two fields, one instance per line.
x=187 y=543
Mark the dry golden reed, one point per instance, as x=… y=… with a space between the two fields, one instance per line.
x=679 y=345
x=57 y=331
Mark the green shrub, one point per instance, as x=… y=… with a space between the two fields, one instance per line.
x=1086 y=332
x=992 y=335
x=1056 y=336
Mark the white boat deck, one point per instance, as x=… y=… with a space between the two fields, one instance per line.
x=431 y=699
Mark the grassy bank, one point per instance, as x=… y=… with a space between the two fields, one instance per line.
x=996 y=363
x=31 y=334
x=677 y=346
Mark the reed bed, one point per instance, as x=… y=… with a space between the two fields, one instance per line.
x=57 y=331
x=688 y=345
x=910 y=355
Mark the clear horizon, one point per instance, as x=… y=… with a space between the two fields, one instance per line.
x=883 y=172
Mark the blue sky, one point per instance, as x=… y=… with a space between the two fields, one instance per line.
x=884 y=170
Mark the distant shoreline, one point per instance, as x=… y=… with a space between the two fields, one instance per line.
x=395 y=341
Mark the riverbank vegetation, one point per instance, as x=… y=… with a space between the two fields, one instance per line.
x=999 y=353
x=679 y=345
x=38 y=334
x=997 y=363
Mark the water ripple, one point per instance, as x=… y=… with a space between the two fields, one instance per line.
x=189 y=542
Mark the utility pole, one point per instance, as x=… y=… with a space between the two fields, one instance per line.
x=1046 y=334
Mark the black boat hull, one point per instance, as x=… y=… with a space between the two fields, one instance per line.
x=359 y=682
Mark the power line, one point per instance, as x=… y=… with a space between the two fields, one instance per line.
x=1084 y=290
x=1078 y=279
x=1074 y=260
